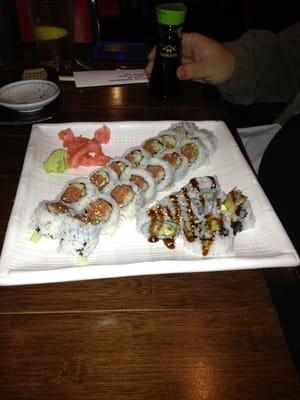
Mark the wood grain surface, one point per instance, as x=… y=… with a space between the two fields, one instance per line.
x=180 y=336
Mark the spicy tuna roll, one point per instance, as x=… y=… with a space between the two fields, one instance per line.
x=78 y=193
x=154 y=145
x=178 y=161
x=103 y=178
x=137 y=156
x=191 y=130
x=195 y=151
x=128 y=197
x=106 y=211
x=143 y=180
x=170 y=138
x=119 y=165
x=162 y=172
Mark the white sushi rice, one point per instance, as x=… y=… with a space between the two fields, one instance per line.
x=47 y=223
x=77 y=237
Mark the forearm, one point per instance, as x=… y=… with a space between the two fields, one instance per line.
x=267 y=67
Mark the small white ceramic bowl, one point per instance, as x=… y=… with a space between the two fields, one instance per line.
x=28 y=95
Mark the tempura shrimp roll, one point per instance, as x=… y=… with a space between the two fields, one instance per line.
x=78 y=193
x=106 y=211
x=203 y=182
x=47 y=219
x=212 y=236
x=143 y=180
x=239 y=207
x=128 y=197
x=103 y=178
x=156 y=224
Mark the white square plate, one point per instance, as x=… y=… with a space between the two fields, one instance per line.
x=126 y=253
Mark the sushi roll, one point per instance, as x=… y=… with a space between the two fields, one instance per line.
x=78 y=193
x=128 y=197
x=143 y=180
x=213 y=236
x=240 y=210
x=195 y=151
x=206 y=136
x=162 y=172
x=191 y=130
x=203 y=182
x=170 y=138
x=137 y=156
x=103 y=178
x=119 y=165
x=205 y=194
x=79 y=236
x=180 y=129
x=47 y=219
x=200 y=214
x=156 y=224
x=153 y=145
x=106 y=212
x=178 y=161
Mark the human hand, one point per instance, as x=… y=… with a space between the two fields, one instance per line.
x=203 y=59
x=149 y=66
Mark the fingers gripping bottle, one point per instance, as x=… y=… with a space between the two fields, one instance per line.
x=163 y=82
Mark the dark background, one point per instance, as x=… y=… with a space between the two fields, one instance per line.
x=134 y=20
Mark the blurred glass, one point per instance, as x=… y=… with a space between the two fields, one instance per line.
x=53 y=28
x=10 y=40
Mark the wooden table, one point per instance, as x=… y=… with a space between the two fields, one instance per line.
x=181 y=336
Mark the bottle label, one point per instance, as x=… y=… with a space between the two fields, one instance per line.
x=168 y=51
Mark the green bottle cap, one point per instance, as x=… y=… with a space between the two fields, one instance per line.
x=171 y=13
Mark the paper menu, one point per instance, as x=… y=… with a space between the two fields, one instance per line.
x=109 y=77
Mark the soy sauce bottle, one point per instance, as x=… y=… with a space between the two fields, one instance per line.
x=163 y=82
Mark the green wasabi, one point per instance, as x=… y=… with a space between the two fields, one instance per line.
x=56 y=162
